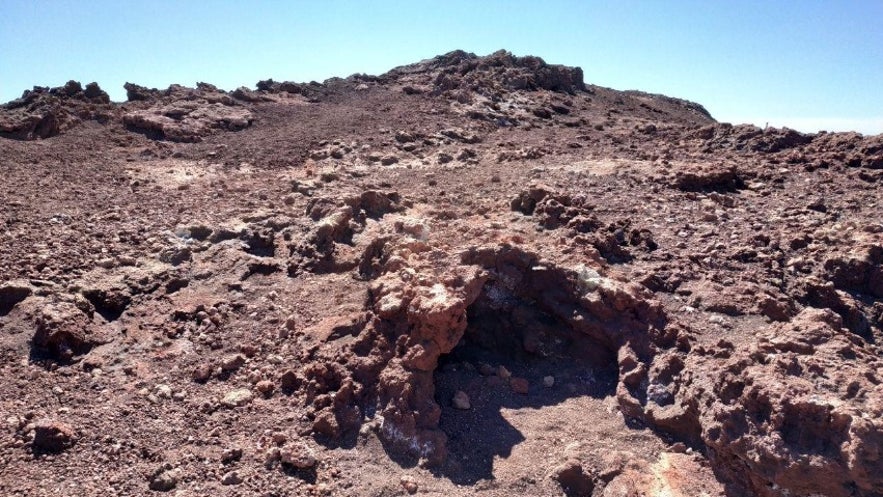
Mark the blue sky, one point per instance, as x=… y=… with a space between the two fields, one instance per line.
x=806 y=64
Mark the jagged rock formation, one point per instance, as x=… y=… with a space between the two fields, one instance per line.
x=501 y=70
x=183 y=114
x=46 y=112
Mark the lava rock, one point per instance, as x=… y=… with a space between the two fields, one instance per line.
x=237 y=398
x=461 y=401
x=53 y=436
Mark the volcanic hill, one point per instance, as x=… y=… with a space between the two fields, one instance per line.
x=469 y=275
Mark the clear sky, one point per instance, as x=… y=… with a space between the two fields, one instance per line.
x=806 y=64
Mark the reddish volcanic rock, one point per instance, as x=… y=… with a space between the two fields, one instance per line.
x=469 y=274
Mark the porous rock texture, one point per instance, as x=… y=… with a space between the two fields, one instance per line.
x=45 y=112
x=183 y=114
x=469 y=274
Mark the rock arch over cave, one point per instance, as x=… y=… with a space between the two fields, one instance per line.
x=515 y=359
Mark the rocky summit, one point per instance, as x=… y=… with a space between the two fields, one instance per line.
x=471 y=274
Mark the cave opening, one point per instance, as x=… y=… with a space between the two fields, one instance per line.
x=517 y=359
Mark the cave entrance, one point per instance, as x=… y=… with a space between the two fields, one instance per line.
x=526 y=373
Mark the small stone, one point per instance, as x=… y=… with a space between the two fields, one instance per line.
x=326 y=423
x=298 y=455
x=231 y=478
x=291 y=323
x=519 y=385
x=289 y=381
x=13 y=422
x=163 y=391
x=678 y=447
x=549 y=381
x=237 y=398
x=249 y=349
x=254 y=377
x=404 y=137
x=266 y=387
x=163 y=481
x=176 y=255
x=52 y=436
x=202 y=373
x=486 y=369
x=368 y=428
x=107 y=263
x=231 y=454
x=389 y=160
x=461 y=400
x=409 y=483
x=233 y=362
x=503 y=373
x=756 y=185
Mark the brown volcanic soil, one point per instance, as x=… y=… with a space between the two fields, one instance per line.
x=472 y=275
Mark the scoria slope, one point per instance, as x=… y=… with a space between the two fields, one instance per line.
x=467 y=275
